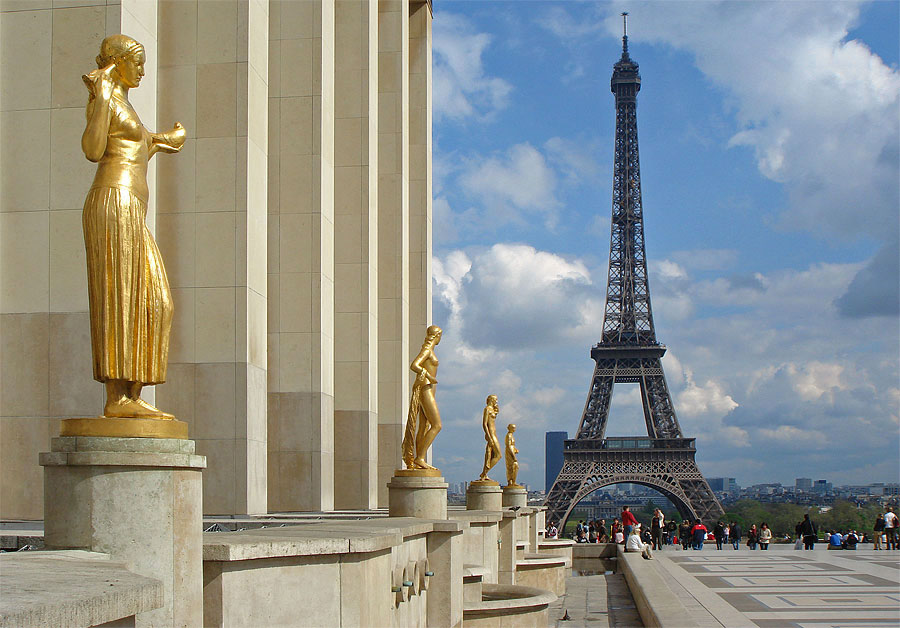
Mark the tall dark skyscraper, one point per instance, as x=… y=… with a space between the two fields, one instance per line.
x=554 y=442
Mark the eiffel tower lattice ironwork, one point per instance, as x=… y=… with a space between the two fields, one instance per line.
x=629 y=352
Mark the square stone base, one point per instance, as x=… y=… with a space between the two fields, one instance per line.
x=138 y=500
x=422 y=497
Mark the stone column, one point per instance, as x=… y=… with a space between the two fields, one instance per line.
x=138 y=500
x=484 y=495
x=393 y=235
x=356 y=254
x=301 y=270
x=445 y=591
x=212 y=218
x=420 y=170
x=507 y=562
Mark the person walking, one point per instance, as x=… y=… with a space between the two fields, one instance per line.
x=628 y=520
x=752 y=537
x=765 y=536
x=719 y=533
x=671 y=531
x=879 y=530
x=734 y=534
x=891 y=527
x=810 y=532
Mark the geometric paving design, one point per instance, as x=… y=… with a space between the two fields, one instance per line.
x=785 y=587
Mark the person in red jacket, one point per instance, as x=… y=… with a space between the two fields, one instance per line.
x=628 y=520
x=698 y=534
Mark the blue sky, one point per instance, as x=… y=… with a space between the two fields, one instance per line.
x=769 y=156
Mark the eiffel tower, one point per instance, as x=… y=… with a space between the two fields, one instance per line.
x=630 y=353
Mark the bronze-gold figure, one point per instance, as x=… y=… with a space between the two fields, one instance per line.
x=130 y=301
x=492 y=451
x=424 y=420
x=512 y=461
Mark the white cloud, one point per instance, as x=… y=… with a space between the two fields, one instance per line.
x=461 y=88
x=508 y=184
x=514 y=296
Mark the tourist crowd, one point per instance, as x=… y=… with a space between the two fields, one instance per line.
x=638 y=538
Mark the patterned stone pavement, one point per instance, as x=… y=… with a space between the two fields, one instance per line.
x=786 y=587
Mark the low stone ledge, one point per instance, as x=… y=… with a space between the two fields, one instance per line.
x=313 y=539
x=656 y=603
x=71 y=588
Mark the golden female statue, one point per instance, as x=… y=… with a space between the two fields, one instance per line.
x=130 y=302
x=492 y=448
x=424 y=420
x=512 y=461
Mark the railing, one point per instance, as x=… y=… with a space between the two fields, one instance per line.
x=618 y=442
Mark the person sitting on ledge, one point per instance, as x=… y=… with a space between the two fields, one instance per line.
x=635 y=544
x=851 y=540
x=835 y=542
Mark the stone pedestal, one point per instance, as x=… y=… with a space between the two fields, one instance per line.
x=484 y=496
x=138 y=500
x=417 y=496
x=514 y=496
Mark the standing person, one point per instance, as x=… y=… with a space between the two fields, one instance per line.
x=628 y=520
x=719 y=533
x=656 y=529
x=810 y=532
x=734 y=534
x=684 y=533
x=698 y=534
x=879 y=530
x=727 y=532
x=752 y=537
x=765 y=536
x=891 y=525
x=604 y=535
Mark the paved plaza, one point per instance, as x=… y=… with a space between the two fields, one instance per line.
x=786 y=587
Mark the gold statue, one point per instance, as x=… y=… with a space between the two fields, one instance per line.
x=512 y=462
x=130 y=301
x=424 y=420
x=492 y=452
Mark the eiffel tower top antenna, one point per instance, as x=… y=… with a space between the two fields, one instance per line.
x=625 y=34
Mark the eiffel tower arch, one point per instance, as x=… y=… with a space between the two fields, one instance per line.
x=630 y=353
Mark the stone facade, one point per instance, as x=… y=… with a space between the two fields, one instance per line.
x=295 y=227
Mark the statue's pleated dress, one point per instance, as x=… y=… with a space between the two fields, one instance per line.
x=130 y=301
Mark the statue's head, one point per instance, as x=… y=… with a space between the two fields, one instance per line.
x=491 y=400
x=511 y=427
x=128 y=56
x=432 y=336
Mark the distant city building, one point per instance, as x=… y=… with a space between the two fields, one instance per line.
x=803 y=484
x=553 y=456
x=724 y=485
x=822 y=487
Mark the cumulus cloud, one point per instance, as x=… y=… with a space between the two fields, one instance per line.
x=515 y=296
x=461 y=89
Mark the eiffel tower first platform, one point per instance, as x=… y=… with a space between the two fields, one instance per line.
x=629 y=352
